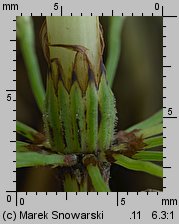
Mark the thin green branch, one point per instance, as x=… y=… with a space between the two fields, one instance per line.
x=28 y=159
x=153 y=142
x=22 y=146
x=151 y=131
x=25 y=34
x=97 y=179
x=114 y=47
x=26 y=131
x=70 y=184
x=151 y=121
x=149 y=156
x=138 y=165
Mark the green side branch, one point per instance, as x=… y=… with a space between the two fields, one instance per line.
x=97 y=179
x=149 y=156
x=153 y=142
x=138 y=165
x=26 y=131
x=29 y=159
x=70 y=184
x=151 y=121
x=114 y=47
x=25 y=35
x=22 y=146
x=151 y=131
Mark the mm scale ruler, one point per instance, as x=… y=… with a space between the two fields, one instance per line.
x=116 y=207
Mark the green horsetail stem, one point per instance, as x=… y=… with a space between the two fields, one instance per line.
x=26 y=38
x=80 y=109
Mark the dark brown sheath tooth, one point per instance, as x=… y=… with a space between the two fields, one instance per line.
x=74 y=78
x=91 y=76
x=102 y=68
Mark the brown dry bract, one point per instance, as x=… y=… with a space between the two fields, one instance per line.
x=89 y=159
x=132 y=142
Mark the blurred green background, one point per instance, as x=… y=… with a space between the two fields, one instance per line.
x=138 y=88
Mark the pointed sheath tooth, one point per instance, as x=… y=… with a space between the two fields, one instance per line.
x=77 y=109
x=81 y=70
x=52 y=118
x=91 y=114
x=69 y=35
x=64 y=108
x=56 y=72
x=107 y=114
x=66 y=58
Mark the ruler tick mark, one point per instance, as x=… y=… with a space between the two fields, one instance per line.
x=10 y=90
x=162 y=11
x=170 y=117
x=170 y=16
x=61 y=10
